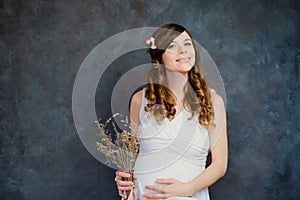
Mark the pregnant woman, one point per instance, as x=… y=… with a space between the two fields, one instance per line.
x=180 y=119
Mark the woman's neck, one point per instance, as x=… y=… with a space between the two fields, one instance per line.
x=176 y=83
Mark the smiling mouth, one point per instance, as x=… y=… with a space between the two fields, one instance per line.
x=183 y=60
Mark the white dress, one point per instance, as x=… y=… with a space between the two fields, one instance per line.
x=173 y=149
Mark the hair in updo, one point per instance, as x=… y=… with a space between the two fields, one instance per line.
x=161 y=101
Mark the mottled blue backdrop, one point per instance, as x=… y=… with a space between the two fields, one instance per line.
x=254 y=43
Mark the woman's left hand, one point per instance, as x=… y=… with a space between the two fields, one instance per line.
x=174 y=188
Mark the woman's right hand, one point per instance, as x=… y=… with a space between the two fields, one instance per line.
x=124 y=185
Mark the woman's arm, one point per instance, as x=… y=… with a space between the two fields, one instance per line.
x=135 y=105
x=217 y=168
x=219 y=149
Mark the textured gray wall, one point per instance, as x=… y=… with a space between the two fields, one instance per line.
x=254 y=43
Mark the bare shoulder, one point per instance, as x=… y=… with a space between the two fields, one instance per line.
x=135 y=105
x=218 y=103
x=216 y=98
x=136 y=99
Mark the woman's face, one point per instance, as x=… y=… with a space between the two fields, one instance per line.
x=180 y=54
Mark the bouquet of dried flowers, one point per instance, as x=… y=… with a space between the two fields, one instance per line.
x=122 y=151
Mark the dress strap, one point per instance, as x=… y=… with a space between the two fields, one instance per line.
x=212 y=90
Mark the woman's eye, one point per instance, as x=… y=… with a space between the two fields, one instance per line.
x=171 y=46
x=188 y=44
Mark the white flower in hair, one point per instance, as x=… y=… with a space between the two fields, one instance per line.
x=151 y=41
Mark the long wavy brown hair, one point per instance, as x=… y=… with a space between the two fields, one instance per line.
x=161 y=101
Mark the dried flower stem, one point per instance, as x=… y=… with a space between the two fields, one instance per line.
x=124 y=150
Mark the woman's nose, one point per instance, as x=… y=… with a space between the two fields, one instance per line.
x=182 y=49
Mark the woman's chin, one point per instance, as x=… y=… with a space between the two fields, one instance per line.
x=186 y=67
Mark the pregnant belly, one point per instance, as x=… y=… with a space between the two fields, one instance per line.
x=150 y=167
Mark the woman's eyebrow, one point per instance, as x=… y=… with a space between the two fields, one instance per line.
x=187 y=39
